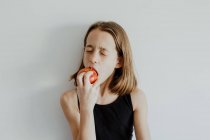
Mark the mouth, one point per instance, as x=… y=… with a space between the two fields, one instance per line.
x=92 y=68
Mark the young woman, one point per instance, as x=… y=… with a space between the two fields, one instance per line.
x=109 y=108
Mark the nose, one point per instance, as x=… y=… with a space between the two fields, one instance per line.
x=94 y=57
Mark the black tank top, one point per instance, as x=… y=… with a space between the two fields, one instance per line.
x=114 y=121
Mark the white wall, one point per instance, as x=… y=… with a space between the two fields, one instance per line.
x=41 y=45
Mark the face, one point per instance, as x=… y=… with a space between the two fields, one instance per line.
x=100 y=52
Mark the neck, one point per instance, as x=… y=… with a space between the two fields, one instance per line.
x=104 y=87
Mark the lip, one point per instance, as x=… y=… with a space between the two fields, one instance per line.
x=94 y=69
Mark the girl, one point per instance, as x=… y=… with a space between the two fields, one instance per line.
x=109 y=108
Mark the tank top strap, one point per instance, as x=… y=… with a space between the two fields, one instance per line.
x=128 y=100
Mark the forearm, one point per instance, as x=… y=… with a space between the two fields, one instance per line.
x=87 y=125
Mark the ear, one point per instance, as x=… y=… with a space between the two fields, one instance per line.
x=119 y=62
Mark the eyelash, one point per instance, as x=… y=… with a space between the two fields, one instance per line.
x=88 y=51
x=92 y=51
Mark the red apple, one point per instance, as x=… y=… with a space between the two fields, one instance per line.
x=93 y=77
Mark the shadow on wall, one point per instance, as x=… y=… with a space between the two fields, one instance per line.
x=60 y=56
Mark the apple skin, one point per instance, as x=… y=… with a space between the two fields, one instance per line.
x=93 y=77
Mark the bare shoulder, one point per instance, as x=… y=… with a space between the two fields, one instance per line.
x=68 y=102
x=68 y=96
x=138 y=98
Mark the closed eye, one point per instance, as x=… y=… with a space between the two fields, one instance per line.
x=88 y=49
x=103 y=53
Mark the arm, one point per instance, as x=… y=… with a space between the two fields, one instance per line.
x=88 y=94
x=87 y=125
x=140 y=115
x=81 y=122
x=71 y=112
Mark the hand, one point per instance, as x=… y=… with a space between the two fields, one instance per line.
x=93 y=76
x=87 y=92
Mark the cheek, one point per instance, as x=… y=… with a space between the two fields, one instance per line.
x=108 y=66
x=106 y=73
x=111 y=62
x=85 y=59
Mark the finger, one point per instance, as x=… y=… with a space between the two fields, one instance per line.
x=87 y=78
x=80 y=79
x=98 y=89
x=97 y=83
x=77 y=91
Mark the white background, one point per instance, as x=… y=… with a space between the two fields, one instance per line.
x=41 y=46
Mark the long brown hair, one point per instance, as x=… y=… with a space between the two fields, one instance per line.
x=124 y=80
